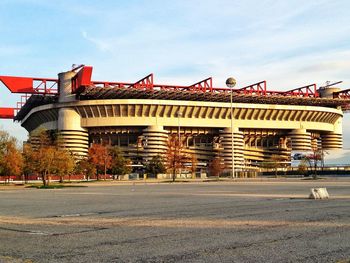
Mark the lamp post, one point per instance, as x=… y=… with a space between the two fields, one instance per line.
x=231 y=82
x=179 y=115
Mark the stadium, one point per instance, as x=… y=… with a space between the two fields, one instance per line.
x=244 y=126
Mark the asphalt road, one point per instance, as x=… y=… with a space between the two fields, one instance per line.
x=270 y=221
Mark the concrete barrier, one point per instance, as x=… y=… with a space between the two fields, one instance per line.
x=319 y=193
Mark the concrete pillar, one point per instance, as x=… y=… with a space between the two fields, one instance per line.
x=328 y=92
x=72 y=135
x=300 y=140
x=314 y=143
x=238 y=142
x=65 y=86
x=155 y=142
x=331 y=141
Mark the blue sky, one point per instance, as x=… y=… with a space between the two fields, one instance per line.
x=288 y=43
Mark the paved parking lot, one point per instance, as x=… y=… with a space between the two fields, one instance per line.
x=268 y=221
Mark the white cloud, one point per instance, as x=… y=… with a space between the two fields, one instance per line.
x=101 y=44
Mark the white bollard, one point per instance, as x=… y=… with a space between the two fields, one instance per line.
x=319 y=193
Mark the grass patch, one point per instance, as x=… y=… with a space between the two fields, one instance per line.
x=90 y=181
x=213 y=180
x=313 y=179
x=11 y=184
x=176 y=181
x=54 y=186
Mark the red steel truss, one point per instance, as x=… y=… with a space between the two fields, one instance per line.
x=82 y=80
x=23 y=101
x=30 y=85
x=254 y=89
x=144 y=83
x=344 y=94
x=7 y=113
x=305 y=91
x=204 y=85
x=27 y=86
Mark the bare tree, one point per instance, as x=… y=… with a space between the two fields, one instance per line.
x=275 y=162
x=314 y=159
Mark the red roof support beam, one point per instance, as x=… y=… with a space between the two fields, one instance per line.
x=254 y=89
x=343 y=94
x=104 y=84
x=7 y=113
x=305 y=91
x=30 y=85
x=82 y=78
x=146 y=82
x=203 y=85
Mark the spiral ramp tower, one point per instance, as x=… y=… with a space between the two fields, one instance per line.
x=155 y=140
x=300 y=140
x=331 y=141
x=238 y=144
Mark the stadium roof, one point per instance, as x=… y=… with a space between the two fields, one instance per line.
x=99 y=93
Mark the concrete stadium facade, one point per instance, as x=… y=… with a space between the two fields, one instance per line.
x=142 y=126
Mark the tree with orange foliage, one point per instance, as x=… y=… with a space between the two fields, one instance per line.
x=64 y=164
x=46 y=157
x=86 y=167
x=194 y=164
x=41 y=157
x=28 y=161
x=11 y=162
x=99 y=155
x=216 y=167
x=175 y=155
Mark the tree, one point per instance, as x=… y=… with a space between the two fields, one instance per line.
x=194 y=163
x=302 y=167
x=274 y=162
x=314 y=159
x=86 y=167
x=100 y=157
x=156 y=165
x=64 y=163
x=11 y=161
x=28 y=161
x=216 y=167
x=46 y=156
x=119 y=164
x=175 y=155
